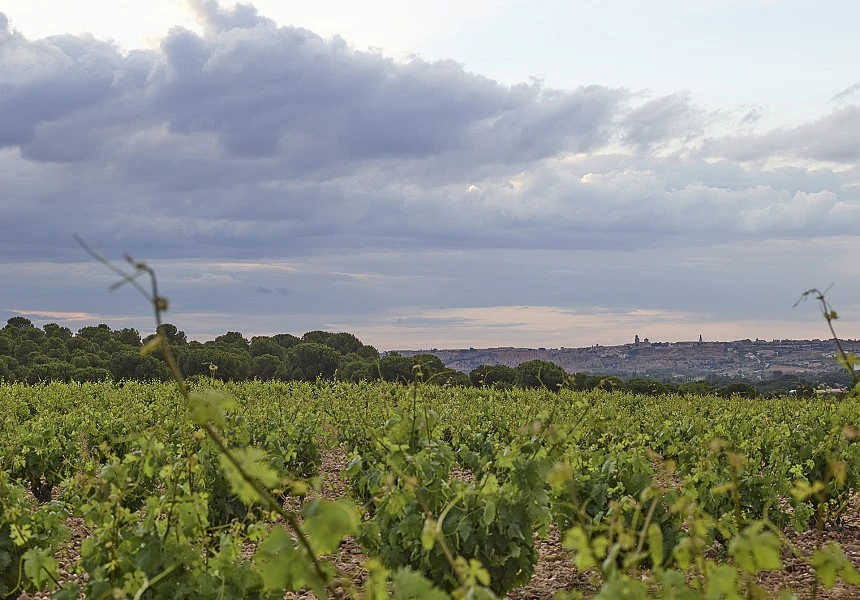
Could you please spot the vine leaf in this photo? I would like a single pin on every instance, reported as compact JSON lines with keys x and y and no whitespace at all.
{"x":40,"y":566}
{"x":209,"y":405}
{"x":254,"y":462}
{"x":829,"y":563}
{"x":754,"y":550}
{"x":326,"y":523}
{"x":279,"y":563}
{"x":407,"y":584}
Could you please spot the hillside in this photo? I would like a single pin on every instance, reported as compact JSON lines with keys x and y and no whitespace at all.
{"x":746,"y":358}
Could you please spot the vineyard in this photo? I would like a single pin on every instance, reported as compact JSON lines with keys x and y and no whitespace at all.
{"x":376,"y":490}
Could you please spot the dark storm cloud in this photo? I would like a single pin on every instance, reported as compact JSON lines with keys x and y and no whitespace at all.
{"x":255,"y":140}
{"x":280,"y":93}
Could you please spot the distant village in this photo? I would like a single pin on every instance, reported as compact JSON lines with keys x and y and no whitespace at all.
{"x":746,"y":359}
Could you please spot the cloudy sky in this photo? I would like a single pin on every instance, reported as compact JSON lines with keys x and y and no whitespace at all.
{"x":435,"y":174}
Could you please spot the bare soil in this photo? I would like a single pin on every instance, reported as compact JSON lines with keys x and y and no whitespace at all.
{"x":554,"y":571}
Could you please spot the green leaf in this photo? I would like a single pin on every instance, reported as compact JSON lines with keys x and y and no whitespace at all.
{"x":407,"y":584}
{"x":655,"y":544}
{"x":428,"y":534}
{"x":40,"y":566}
{"x":723,"y":583}
{"x":577,"y":540}
{"x":489,"y":514}
{"x":479,"y":572}
{"x":830,"y":562}
{"x":255,"y":463}
{"x":766,"y":552}
{"x":559,"y":475}
{"x":674,"y":584}
{"x":622,"y":586}
{"x":755,"y":551}
{"x":280,"y":564}
{"x":21,"y":534}
{"x":825,"y":567}
{"x":68,"y":591}
{"x":209,"y":405}
{"x":326,"y":523}
{"x":802,"y":490}
{"x":464,"y":530}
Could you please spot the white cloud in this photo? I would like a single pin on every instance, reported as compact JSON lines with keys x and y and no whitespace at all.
{"x":270,"y":157}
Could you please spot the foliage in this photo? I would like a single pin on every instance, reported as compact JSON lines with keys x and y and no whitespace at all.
{"x":437,"y":524}
{"x":542,"y":374}
{"x":28,"y":540}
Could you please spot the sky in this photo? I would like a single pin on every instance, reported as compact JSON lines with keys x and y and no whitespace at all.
{"x":435,"y":175}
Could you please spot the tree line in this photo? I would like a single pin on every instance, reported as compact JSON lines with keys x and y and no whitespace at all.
{"x":54,"y":353}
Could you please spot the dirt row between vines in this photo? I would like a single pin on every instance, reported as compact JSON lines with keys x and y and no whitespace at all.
{"x":554,"y":571}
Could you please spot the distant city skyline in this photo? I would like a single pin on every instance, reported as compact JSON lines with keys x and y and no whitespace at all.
{"x":489,"y":173}
{"x":755,"y":359}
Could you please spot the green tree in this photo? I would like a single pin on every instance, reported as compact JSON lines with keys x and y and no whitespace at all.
{"x":58,"y":353}
{"x":81,"y":344}
{"x":312,"y":360}
{"x":18,"y":323}
{"x":265,"y":366}
{"x":451,"y":378}
{"x":542,"y":374}
{"x":645,"y":387}
{"x":607,"y":383}
{"x":99,"y":335}
{"x":52,"y":330}
{"x":131,"y":365}
{"x":744,"y":390}
{"x":232,"y":365}
{"x":286,"y":340}
{"x":355,"y":368}
{"x":232,"y":339}
{"x":368,"y":352}
{"x":174,"y":336}
{"x":394,"y":367}
{"x":90,"y":374}
{"x":25,"y":348}
{"x":128,"y":337}
{"x":499,"y":376}
{"x":8,"y":369}
{"x":428,"y":365}
{"x":261,"y":345}
{"x":54,"y":370}
{"x":7,"y":373}
{"x":344,"y":343}
{"x":696,"y":388}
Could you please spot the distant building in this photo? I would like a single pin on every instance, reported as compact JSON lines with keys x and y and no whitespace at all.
{"x":636,"y":340}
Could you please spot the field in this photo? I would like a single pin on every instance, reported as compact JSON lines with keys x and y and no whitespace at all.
{"x":377,"y":490}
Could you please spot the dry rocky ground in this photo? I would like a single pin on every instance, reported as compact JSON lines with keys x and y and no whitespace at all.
{"x":554,"y":571}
